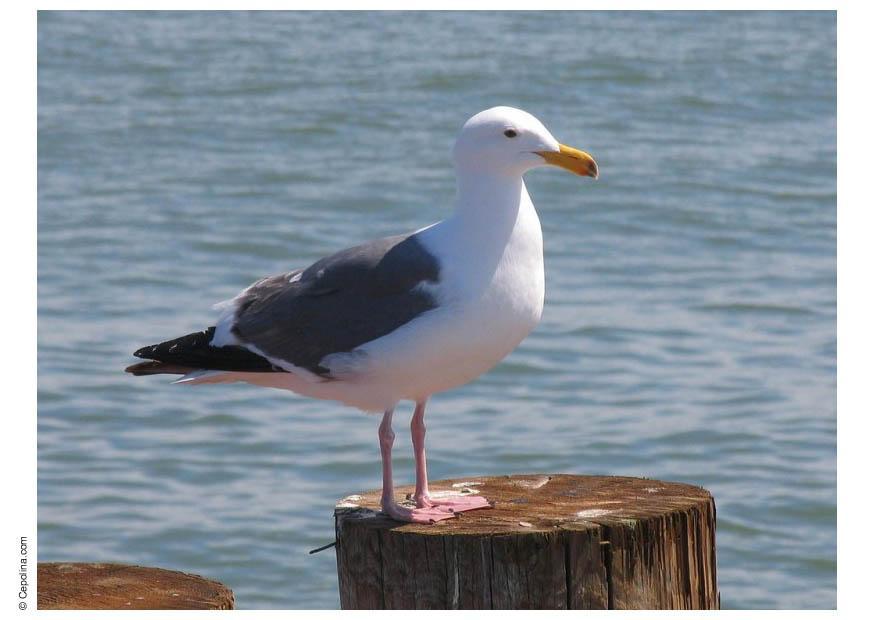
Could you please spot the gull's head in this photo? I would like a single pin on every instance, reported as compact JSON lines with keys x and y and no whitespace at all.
{"x":509,"y":141}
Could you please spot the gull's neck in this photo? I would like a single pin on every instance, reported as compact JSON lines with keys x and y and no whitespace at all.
{"x":494,"y":216}
{"x":494,"y":224}
{"x":488,"y":204}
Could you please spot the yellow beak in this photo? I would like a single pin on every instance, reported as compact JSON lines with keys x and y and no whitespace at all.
{"x":573,"y":160}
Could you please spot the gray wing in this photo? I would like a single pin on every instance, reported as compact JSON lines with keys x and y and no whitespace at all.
{"x":338,"y":303}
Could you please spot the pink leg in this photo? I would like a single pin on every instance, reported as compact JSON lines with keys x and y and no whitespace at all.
{"x":417,"y":433}
{"x":429,"y":514}
{"x":421,"y":496}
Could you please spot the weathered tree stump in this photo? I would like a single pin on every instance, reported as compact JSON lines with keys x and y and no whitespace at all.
{"x":550,"y":542}
{"x":118,"y":586}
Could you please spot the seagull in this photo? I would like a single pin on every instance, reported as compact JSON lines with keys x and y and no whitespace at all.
{"x":403,"y":317}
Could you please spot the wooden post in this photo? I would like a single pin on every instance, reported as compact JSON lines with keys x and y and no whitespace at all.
{"x":550,"y":542}
{"x":118,"y":586}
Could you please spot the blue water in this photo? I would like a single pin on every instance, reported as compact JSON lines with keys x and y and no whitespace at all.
{"x":690,"y":326}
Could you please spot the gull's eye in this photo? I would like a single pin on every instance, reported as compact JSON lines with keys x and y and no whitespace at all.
{"x":510,"y":133}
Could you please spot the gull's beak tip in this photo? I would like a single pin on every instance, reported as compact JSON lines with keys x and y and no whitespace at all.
{"x":594,"y":171}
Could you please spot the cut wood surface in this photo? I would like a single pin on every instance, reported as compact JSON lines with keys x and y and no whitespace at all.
{"x":550,"y":542}
{"x":119,"y":586}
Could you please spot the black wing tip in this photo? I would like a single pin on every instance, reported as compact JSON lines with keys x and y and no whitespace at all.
{"x":194,"y":351}
{"x":144,"y":352}
{"x":159,"y":351}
